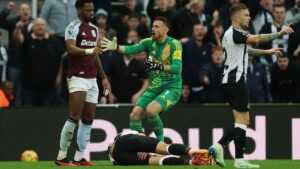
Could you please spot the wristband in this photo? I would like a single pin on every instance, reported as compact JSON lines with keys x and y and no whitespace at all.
{"x":89,"y":51}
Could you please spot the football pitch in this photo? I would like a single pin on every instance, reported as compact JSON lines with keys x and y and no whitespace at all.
{"x":266,"y":164}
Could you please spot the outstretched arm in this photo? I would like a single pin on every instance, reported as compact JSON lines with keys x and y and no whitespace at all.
{"x":262,"y":38}
{"x":112,"y":45}
{"x":257,"y":52}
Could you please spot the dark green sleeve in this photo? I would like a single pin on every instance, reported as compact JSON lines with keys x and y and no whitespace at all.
{"x":138,"y":48}
{"x":176,"y":65}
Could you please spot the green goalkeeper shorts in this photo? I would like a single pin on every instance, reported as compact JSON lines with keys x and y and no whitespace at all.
{"x":166,"y":98}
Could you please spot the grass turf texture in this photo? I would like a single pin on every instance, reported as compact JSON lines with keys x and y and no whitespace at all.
{"x":266,"y":164}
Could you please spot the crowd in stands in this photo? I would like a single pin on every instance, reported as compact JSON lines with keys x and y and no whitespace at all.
{"x":33,"y":66}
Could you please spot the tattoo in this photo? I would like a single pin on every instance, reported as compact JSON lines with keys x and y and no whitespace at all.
{"x":256,"y":52}
{"x":262,"y":38}
{"x":100,"y":68}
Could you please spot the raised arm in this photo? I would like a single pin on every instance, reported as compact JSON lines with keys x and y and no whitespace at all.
{"x":128,"y":50}
{"x":17,"y":34}
{"x":262,"y":38}
{"x":4,"y":22}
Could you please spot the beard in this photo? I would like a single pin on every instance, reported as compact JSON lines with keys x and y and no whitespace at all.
{"x":245,"y":27}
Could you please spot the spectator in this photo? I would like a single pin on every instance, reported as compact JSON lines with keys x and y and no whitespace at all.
{"x":14,"y":59}
{"x":293,"y":14}
{"x":58,"y":14}
{"x":224,"y":13}
{"x":196,"y":54}
{"x":285,"y":82}
{"x":264,"y":16}
{"x":133,"y":38}
{"x":131,"y":6}
{"x":294,"y":43}
{"x":132,"y":24}
{"x":210,"y":77}
{"x":103,"y":4}
{"x":296,"y":55}
{"x":101,"y":22}
{"x":274,"y":27}
{"x":41,"y":61}
{"x":215,"y":34}
{"x":3,"y":62}
{"x":258,"y":86}
{"x":185,"y":95}
{"x":191,"y":14}
{"x":157,"y":8}
{"x":129,"y":72}
{"x":6,"y":95}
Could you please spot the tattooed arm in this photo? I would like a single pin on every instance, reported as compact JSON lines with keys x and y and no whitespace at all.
{"x":257,"y":52}
{"x":262,"y":38}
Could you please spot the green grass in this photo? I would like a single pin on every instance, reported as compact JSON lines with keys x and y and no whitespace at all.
{"x":266,"y":164}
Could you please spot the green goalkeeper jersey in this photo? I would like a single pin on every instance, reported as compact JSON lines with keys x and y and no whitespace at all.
{"x":168,"y":53}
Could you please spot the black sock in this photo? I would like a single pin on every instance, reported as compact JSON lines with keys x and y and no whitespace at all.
{"x":227,"y":137}
{"x":176,"y":161}
{"x":178,"y":149}
{"x":239,"y":142}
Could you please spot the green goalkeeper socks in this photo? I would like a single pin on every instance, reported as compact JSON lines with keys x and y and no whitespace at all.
{"x":136,"y":125}
{"x":157,"y":126}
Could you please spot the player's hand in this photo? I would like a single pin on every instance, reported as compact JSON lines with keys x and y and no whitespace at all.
{"x":11,"y":5}
{"x":19,"y":24}
{"x":97,"y":51}
{"x":109,"y":45}
{"x":275,"y":51}
{"x":286,"y":30}
{"x":106,"y":87}
{"x":151,"y":65}
{"x":142,"y":155}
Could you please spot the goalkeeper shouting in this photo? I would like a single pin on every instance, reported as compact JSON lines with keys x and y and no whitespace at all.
{"x":164,"y":64}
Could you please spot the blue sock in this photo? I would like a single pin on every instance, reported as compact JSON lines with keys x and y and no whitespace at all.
{"x":67,"y":134}
{"x":83,"y":134}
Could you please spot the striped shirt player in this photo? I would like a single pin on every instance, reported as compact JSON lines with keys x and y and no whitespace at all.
{"x":234,"y":86}
{"x":235,"y":68}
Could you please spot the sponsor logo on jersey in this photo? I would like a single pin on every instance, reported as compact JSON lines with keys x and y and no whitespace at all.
{"x":94,"y":33}
{"x":88,"y":43}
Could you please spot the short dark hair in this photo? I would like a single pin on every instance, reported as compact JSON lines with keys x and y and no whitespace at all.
{"x":134,"y":15}
{"x":237,"y":7}
{"x":80,"y":3}
{"x":278,"y":6}
{"x":164,"y":20}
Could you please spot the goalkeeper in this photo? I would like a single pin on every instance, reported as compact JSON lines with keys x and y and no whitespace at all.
{"x":164,"y":63}
{"x":132,"y":148}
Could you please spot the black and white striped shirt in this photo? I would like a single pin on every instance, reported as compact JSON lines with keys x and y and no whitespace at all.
{"x":236,"y":55}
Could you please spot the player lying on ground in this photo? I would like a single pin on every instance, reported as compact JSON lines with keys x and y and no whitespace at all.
{"x":132,"y":148}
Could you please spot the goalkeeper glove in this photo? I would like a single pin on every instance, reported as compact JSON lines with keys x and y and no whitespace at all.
{"x":109,"y":45}
{"x":151,"y":65}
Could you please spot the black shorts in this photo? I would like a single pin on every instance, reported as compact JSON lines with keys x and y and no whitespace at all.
{"x":126,"y":148}
{"x":237,"y":95}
